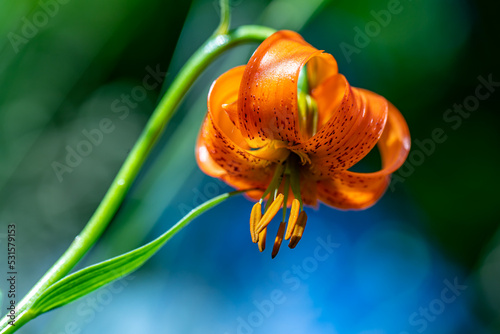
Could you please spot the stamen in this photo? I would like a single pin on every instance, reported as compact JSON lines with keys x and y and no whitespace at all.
{"x":276,"y":180}
{"x":270,"y":213}
{"x":290,"y":171}
{"x":285,"y":191}
{"x":292,"y":220}
{"x":255,"y":217}
{"x":278,"y":240}
{"x":262,"y":240}
{"x":304,"y":158}
{"x":298,"y":230}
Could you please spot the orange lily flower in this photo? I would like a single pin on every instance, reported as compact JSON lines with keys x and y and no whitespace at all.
{"x":290,"y":126}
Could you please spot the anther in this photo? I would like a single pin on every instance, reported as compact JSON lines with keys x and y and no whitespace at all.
{"x":270,"y":213}
{"x":292,"y":220}
{"x":255,"y":217}
{"x":298,"y":230}
{"x":278,"y":240}
{"x":262,"y":240}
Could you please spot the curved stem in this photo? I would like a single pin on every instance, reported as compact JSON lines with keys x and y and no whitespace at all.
{"x":225,"y":18}
{"x":211,"y":49}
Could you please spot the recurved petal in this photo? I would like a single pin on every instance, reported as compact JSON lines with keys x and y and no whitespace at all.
{"x":356,"y":122}
{"x":308,"y":189}
{"x":222,"y":104}
{"x":267,"y":103}
{"x":208,"y":165}
{"x":221,"y":150}
{"x":205,"y":160}
{"x":218,"y":156}
{"x":350,"y":190}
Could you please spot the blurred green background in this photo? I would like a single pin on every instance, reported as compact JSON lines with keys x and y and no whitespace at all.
{"x":67,"y":65}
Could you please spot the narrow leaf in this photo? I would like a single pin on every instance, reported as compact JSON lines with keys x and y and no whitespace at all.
{"x":92,"y":278}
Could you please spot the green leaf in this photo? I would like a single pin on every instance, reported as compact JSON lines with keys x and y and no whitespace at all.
{"x":92,"y":278}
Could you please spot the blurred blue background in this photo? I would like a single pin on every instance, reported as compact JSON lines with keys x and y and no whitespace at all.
{"x":425,"y":259}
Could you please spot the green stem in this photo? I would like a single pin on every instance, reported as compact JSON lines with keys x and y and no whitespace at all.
{"x":210,"y":50}
{"x":225,"y":18}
